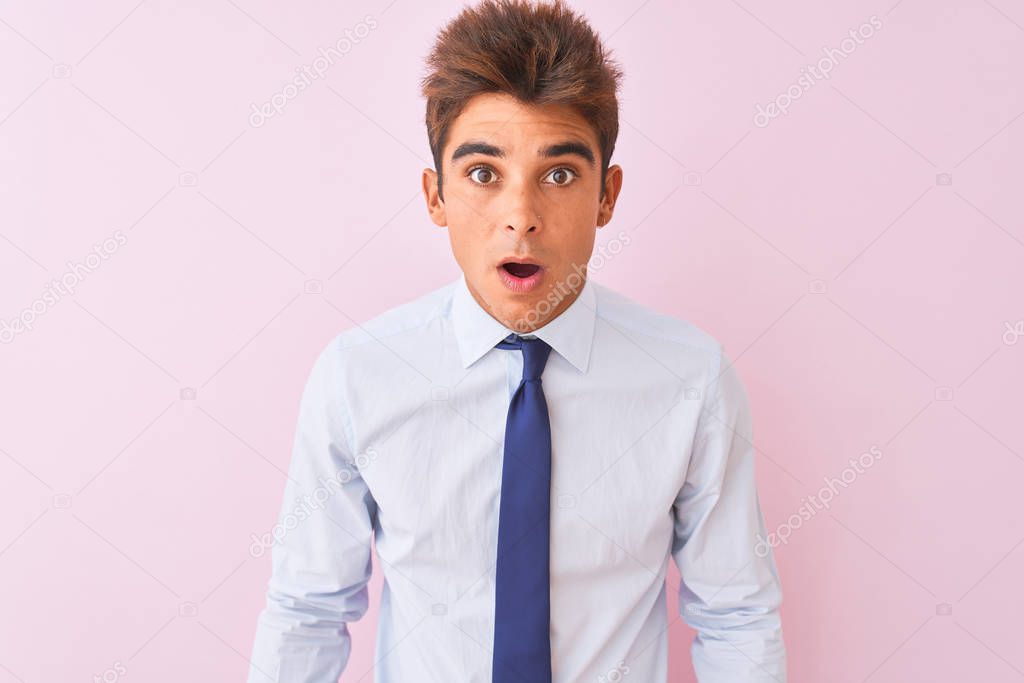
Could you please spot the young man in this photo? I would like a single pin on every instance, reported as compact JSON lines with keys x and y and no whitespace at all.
{"x":526,"y":447}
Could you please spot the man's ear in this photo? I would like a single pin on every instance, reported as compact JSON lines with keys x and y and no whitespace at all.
{"x":612,"y":185}
{"x":435,"y":205}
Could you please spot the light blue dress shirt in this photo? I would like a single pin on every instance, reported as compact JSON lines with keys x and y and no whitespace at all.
{"x":399,"y":445}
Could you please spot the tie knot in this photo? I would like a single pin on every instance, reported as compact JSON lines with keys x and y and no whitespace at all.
{"x":535,"y":354}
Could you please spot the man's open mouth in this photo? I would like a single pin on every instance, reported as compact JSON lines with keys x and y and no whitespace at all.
{"x":521,"y":277}
{"x":520,"y":270}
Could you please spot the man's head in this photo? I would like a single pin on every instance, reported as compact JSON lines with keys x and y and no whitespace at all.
{"x":522,"y":117}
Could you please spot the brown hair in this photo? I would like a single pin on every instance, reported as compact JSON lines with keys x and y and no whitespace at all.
{"x":540,"y":53}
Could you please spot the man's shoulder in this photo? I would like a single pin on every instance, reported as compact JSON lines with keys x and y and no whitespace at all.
{"x":369,"y":346}
{"x":627,"y":313}
{"x":407,"y":317}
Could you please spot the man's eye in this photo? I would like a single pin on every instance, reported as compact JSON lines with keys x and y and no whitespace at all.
{"x":562,"y":176}
{"x":481,"y":175}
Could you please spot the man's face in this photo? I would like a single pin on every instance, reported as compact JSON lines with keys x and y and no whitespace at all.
{"x":522,"y":202}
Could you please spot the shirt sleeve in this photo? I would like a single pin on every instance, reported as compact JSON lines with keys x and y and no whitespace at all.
{"x":730,"y":591}
{"x":321,"y":545}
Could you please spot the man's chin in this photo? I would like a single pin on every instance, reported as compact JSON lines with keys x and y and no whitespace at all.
{"x":519,"y":315}
{"x":521,"y":311}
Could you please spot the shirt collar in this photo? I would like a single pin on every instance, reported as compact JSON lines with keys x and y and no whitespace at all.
{"x":570,"y":334}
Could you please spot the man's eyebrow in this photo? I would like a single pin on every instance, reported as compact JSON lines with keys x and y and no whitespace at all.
{"x":467,"y":148}
{"x":556,"y":150}
{"x":569,"y":147}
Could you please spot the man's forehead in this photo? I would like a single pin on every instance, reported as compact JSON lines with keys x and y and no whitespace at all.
{"x":513,"y":124}
{"x":521,"y":127}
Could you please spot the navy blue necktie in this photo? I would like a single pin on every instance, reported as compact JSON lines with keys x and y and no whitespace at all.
{"x":522,"y":606}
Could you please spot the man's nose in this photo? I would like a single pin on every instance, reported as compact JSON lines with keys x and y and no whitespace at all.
{"x":522,"y":215}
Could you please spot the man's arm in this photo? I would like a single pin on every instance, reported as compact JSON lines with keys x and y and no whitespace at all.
{"x":730,"y":591}
{"x":321,"y":554}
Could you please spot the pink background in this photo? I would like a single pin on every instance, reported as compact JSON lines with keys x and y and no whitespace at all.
{"x":869,"y":300}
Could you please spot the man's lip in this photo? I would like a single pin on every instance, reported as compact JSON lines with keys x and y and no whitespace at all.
{"x":513,"y":259}
{"x":521,"y":285}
